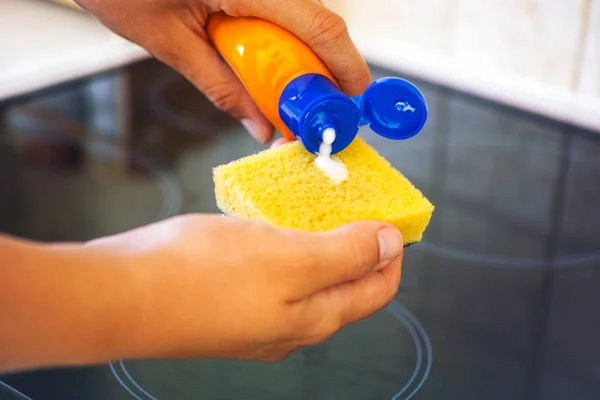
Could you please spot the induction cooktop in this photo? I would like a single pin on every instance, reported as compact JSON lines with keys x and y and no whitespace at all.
{"x":499,"y":301}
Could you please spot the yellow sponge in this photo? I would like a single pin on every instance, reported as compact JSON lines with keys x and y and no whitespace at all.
{"x":285,"y":188}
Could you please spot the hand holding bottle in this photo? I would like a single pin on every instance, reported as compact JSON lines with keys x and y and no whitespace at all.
{"x":174,"y":31}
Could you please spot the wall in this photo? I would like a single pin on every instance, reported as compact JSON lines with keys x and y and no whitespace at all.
{"x":541,"y":55}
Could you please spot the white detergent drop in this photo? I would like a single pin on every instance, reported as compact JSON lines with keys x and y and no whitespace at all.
{"x":332,"y":167}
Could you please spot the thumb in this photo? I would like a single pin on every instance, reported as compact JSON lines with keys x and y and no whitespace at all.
{"x":344,"y":254}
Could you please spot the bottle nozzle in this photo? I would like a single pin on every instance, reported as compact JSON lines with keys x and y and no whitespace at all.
{"x":328,"y":136}
{"x":311,"y":104}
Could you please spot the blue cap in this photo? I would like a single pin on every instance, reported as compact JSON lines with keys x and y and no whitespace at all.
{"x":393,"y":108}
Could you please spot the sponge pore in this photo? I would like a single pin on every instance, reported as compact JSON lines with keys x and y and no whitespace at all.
{"x":285,"y":188}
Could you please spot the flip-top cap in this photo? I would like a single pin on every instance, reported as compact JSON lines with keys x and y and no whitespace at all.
{"x":310,"y":103}
{"x":393,"y":107}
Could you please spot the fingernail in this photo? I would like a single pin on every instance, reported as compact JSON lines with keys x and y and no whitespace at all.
{"x":254,"y":129}
{"x":390,"y":244}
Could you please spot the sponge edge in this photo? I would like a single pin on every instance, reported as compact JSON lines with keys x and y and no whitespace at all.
{"x":285,"y":188}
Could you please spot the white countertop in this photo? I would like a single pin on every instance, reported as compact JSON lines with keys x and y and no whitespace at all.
{"x":572,"y":107}
{"x":44,"y":44}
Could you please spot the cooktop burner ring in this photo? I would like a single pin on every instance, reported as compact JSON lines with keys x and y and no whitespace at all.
{"x":417,"y":331}
{"x":421,"y":340}
{"x":12,"y":391}
{"x":130,"y":378}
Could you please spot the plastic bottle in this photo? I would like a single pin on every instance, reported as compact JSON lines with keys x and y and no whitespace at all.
{"x":298,"y":94}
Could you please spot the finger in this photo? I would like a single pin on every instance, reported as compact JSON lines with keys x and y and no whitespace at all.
{"x":280,"y":142}
{"x":320,"y":28}
{"x":331,"y":309}
{"x":326,"y":259}
{"x":200,"y":63}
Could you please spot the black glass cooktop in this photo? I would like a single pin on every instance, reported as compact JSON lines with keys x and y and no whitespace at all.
{"x":500,"y":301}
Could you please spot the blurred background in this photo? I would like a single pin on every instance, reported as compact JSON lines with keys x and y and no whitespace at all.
{"x":500,"y":300}
{"x":540,"y":55}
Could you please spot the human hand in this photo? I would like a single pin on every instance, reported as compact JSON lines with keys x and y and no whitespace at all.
{"x":174,"y":32}
{"x":225,"y":287}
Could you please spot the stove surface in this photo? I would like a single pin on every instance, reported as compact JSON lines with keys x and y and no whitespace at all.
{"x":498,"y":302}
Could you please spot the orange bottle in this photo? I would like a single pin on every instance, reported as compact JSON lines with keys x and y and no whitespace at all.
{"x":300,"y":97}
